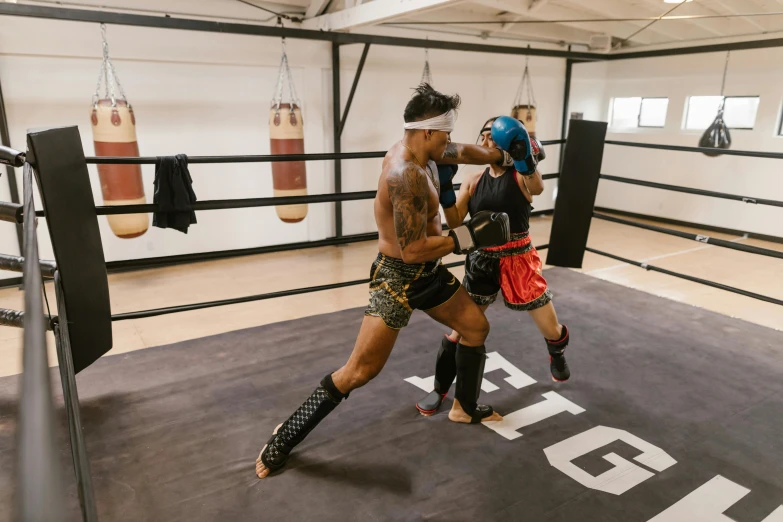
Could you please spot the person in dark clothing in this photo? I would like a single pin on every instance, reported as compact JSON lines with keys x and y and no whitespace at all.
{"x":514,"y":269}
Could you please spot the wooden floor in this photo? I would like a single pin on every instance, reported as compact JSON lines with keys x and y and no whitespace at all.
{"x":250,"y":275}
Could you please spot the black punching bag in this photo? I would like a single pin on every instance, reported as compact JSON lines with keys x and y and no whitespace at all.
{"x":716,"y":136}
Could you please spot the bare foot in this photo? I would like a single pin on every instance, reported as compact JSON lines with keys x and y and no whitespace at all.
{"x":261,"y":470}
{"x":457,"y":414}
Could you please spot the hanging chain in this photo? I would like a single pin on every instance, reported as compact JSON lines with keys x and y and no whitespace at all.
{"x":97,"y":95}
{"x":531,"y":97}
{"x":291,"y":85}
{"x":426,"y":74}
{"x":284,"y":74}
{"x":723,"y":83}
{"x":526,"y":81}
{"x":108,"y":76}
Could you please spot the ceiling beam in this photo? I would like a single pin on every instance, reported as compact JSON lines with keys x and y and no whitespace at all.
{"x":508,"y":25}
{"x":715,"y":27}
{"x":315,"y":8}
{"x":210,"y":26}
{"x":559,"y":34}
{"x":372,"y":13}
{"x":745,"y":19}
{"x":554,"y":12}
{"x":612,"y":8}
{"x":535,"y":5}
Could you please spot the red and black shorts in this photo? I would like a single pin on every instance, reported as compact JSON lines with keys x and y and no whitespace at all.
{"x":514,"y":269}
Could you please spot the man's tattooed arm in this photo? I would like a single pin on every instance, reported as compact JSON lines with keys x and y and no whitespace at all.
{"x":470,"y":154}
{"x":409,"y":192}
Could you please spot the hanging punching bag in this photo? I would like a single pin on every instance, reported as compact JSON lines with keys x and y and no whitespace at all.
{"x":289,"y":178}
{"x":114,"y":134}
{"x":286,"y":135}
{"x":527,"y":115}
{"x":525,"y":111}
{"x":716,"y":136}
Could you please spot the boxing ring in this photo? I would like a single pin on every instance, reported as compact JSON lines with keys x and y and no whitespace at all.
{"x":675,"y":411}
{"x":607,"y":412}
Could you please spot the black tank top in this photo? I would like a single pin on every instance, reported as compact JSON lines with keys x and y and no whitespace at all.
{"x":502,"y":194}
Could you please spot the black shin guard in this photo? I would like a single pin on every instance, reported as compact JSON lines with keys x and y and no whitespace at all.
{"x":470,"y":373}
{"x":557,"y":362}
{"x":318,"y":405}
{"x":445,"y":372}
{"x":445,"y":366}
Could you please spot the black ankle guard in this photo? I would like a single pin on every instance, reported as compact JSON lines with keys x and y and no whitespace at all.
{"x":445,"y":366}
{"x":318,"y":405}
{"x":329,"y":386}
{"x":470,"y":372}
{"x":558,"y":347}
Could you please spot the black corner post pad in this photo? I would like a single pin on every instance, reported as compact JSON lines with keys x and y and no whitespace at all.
{"x":577,"y":188}
{"x":64,"y":185}
{"x":11,"y":157}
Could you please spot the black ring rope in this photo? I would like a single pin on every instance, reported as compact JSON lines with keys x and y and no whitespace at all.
{"x":688,"y":190}
{"x":223,"y":204}
{"x":695,"y":237}
{"x":689,"y":278}
{"x":151,"y":160}
{"x":283,"y":293}
{"x":154,"y":262}
{"x":704,"y":150}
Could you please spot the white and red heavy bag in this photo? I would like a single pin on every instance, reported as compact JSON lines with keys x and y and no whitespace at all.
{"x":289,"y":178}
{"x":525,"y":111}
{"x":527,"y":115}
{"x":114,"y":134}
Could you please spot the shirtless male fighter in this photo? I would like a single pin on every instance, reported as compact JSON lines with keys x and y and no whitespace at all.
{"x":407,"y":273}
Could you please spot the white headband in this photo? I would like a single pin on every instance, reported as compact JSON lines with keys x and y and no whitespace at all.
{"x":443,"y":122}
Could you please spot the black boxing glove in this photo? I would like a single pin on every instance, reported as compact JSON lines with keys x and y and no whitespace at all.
{"x":446,"y":173}
{"x":485,"y":229}
{"x":537,"y":150}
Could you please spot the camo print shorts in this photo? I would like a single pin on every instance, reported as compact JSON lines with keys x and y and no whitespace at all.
{"x":398,"y":288}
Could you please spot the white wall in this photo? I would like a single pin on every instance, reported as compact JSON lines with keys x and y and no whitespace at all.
{"x":750,"y":73}
{"x":191,"y":95}
{"x":487,"y":85}
{"x":208,"y":94}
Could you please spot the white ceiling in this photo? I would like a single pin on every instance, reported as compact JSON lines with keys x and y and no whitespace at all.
{"x":554,"y":21}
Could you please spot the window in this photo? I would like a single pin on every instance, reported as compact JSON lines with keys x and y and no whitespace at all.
{"x":638,"y":112}
{"x":653,"y":112}
{"x":739,"y":112}
{"x":625,"y":112}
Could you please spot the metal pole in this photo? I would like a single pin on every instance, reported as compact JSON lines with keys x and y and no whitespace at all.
{"x":39,"y":481}
{"x":81,"y":463}
{"x":566,"y":97}
{"x":13,"y":188}
{"x":353,"y":87}
{"x":185,"y":24}
{"x":336,"y":114}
